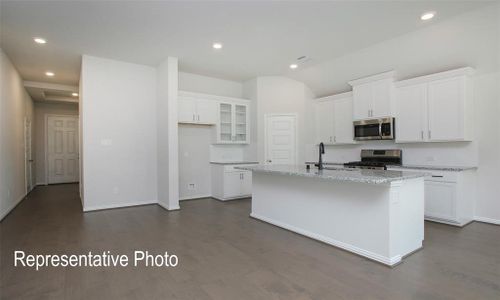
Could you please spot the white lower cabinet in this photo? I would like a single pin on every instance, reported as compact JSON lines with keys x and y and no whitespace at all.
{"x":449,"y":196}
{"x":440,"y":200}
{"x":229,"y":183}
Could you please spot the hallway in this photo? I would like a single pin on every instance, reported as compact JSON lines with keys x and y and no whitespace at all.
{"x":224,"y":254}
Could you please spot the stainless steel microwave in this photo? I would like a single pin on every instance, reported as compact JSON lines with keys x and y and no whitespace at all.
{"x":374,"y":129}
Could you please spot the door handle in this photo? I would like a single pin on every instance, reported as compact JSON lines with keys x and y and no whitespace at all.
{"x":198,"y":118}
{"x":269,"y":160}
{"x":422,"y":135}
{"x":335,"y":139}
{"x":429,"y":134}
{"x":193,"y":117}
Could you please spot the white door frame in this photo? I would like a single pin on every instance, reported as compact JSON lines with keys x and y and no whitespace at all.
{"x":295,"y":116}
{"x":46,"y":142}
{"x":28,"y":184}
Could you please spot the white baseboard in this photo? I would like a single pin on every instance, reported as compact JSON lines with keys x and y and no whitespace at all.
{"x":120,"y":205}
{"x":4,"y":214}
{"x":195,"y":197}
{"x":169,"y":208}
{"x":390,"y":261}
{"x":41,"y":183}
{"x":487,"y":220}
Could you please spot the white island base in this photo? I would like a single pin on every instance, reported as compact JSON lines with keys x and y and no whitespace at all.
{"x":383,"y":222}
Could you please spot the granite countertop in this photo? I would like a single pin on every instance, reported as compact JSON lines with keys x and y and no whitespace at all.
{"x":416,"y":167}
{"x":233,"y":162}
{"x":337,"y":174}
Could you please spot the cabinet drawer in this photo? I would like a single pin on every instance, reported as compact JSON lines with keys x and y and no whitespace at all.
{"x":231,"y":168}
{"x":442,"y":176}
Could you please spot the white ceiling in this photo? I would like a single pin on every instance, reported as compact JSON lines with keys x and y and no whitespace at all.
{"x":259,"y":38}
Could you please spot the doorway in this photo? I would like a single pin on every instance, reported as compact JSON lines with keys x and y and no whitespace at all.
{"x":62,"y":154}
{"x":281,"y":139}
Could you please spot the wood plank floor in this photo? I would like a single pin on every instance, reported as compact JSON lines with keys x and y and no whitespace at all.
{"x":224,"y":254}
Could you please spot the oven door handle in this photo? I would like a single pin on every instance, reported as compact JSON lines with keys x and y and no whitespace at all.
{"x":380,"y":130}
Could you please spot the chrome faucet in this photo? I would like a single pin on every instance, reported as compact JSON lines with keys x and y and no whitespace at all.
{"x":320,"y":160}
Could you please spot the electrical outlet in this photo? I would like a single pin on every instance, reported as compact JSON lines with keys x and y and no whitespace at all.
{"x":191,"y":186}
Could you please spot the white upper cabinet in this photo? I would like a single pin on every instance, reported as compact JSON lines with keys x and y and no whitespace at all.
{"x":362,"y":104}
{"x":186,"y":110}
{"x":334,"y":119}
{"x":206,"y":111}
{"x":435,"y":108}
{"x":325,"y":129}
{"x":196,"y":110}
{"x":372,"y":96}
{"x":411,"y":113}
{"x":233,"y":126}
{"x":446,"y":99}
{"x":342,"y":116}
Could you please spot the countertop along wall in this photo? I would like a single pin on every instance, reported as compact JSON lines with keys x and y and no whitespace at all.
{"x":471,"y":39}
{"x":15,"y":106}
{"x":39,"y":130}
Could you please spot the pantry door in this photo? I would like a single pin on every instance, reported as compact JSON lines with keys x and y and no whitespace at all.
{"x":62,"y":149}
{"x":281,"y":139}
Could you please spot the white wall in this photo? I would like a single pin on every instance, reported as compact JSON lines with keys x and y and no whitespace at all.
{"x":277,"y":94}
{"x":39,"y":130}
{"x":209,"y":85}
{"x":15,"y":106}
{"x":469,"y":39}
{"x":195,"y":142}
{"x":118,"y":112}
{"x":472,"y":39}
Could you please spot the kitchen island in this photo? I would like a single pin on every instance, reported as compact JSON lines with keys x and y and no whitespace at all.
{"x":373,"y":213}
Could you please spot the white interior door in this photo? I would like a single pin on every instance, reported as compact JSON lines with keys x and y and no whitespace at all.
{"x":62,"y":149}
{"x":28,"y":155}
{"x":280,"y":144}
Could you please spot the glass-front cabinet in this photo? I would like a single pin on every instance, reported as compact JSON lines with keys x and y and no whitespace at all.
{"x":233,"y":125}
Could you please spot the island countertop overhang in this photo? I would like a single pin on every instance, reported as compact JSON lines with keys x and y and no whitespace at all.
{"x":340,"y":174}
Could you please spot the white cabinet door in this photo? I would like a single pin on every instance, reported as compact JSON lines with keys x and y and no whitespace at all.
{"x":241,"y":123}
{"x":246,"y":183}
{"x":411,"y":113}
{"x":186,"y":110}
{"x":206,"y":111}
{"x":232,"y":184}
{"x":440,"y":199}
{"x":446,"y":100}
{"x":381,"y":98}
{"x":342,"y":116}
{"x":225,"y":125}
{"x":362,"y":101}
{"x":325,"y":122}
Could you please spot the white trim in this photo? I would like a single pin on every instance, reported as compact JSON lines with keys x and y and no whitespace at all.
{"x":390,"y":261}
{"x":436,"y":76}
{"x":3,"y":215}
{"x":335,"y":97}
{"x":169,"y":209}
{"x":213,"y":97}
{"x":195,"y":197}
{"x":380,"y":76}
{"x":41,"y":183}
{"x":46,"y":142}
{"x":487,"y":220}
{"x":295,"y":116}
{"x":118,"y":205}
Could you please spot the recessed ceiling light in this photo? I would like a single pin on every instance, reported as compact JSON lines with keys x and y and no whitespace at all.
{"x":40,"y":40}
{"x":50,"y":74}
{"x":294,"y":66}
{"x":427,"y":16}
{"x":74,"y":94}
{"x":217,"y":45}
